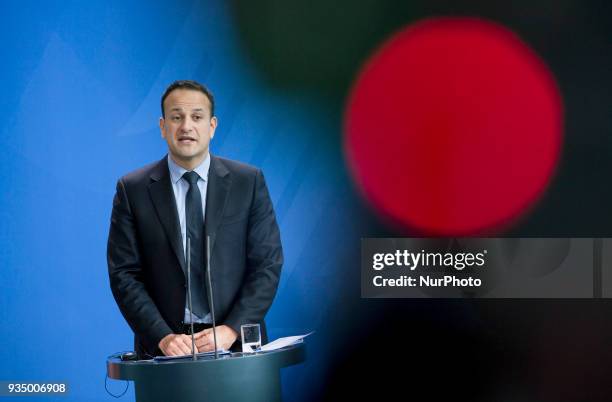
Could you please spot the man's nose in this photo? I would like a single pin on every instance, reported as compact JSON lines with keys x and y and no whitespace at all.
{"x":187,"y":125}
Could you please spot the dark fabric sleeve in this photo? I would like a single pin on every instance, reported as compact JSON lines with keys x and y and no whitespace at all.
{"x":264,"y":261}
{"x":126,"y":275}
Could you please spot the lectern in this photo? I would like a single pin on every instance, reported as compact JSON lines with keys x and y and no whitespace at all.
{"x":236,"y":377}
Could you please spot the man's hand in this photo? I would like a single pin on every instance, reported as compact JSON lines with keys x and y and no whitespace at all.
{"x":205,"y":341}
{"x":176,"y":345}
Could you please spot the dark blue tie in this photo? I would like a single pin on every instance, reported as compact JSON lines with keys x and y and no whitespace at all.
{"x":195,"y":231}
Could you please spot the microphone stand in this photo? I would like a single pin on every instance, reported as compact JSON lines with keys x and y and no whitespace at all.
{"x":210,"y":296}
{"x":189,"y":297}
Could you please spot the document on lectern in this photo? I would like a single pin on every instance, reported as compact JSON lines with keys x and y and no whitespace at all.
{"x":283,"y":342}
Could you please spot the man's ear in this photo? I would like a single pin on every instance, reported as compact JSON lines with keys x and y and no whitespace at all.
{"x":213,"y":126}
{"x":162,"y":127}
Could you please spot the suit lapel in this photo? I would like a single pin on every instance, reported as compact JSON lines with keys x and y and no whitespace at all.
{"x":162,"y":195}
{"x":219,"y":181}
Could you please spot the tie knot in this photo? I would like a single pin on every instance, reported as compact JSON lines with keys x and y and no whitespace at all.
{"x":191,"y":177}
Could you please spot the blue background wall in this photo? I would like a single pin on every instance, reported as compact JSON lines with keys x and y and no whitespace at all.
{"x":81,"y":88}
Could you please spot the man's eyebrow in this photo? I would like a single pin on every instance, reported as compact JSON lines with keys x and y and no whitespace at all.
{"x":180,"y":109}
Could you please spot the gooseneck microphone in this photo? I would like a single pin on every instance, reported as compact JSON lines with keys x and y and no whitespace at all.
{"x":210,"y":296}
{"x":189,"y":297}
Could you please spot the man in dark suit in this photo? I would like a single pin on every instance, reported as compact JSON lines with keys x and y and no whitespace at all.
{"x":191,"y":194}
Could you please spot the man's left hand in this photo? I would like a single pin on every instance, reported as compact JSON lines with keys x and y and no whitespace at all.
{"x":205,"y":341}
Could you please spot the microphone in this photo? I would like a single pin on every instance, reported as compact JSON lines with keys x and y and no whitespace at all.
{"x":209,"y":291}
{"x":189,"y":296}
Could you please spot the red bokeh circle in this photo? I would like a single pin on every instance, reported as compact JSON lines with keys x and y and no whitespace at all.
{"x":453,"y":127}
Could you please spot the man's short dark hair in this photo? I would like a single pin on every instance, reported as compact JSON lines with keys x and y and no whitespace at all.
{"x":189,"y":84}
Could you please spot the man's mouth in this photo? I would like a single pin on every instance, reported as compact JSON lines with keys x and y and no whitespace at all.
{"x":186,"y":140}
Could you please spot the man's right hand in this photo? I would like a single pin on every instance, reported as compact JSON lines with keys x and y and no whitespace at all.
{"x":176,"y":345}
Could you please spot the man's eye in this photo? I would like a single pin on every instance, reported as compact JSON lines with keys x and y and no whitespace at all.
{"x":176,"y":118}
{"x":196,"y":118}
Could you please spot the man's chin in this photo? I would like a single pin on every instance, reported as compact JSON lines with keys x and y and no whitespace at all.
{"x":188,"y":156}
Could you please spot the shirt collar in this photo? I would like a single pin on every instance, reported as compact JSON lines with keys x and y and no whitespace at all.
{"x":177,"y":172}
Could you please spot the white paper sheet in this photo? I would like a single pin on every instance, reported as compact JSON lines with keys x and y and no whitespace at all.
{"x":283,"y":342}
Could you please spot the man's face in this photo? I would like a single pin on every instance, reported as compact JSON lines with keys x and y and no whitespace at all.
{"x":188,"y":126}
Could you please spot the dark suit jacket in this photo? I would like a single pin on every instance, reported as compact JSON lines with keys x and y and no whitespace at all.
{"x":145,"y":251}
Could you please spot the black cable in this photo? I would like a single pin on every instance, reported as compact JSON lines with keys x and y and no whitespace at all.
{"x":115,"y":355}
{"x":111,"y":394}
